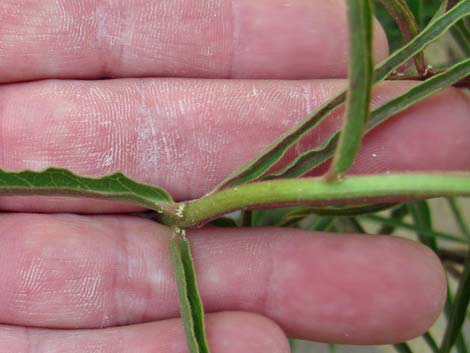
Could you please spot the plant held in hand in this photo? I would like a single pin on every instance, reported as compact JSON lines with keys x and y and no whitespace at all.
{"x":275,"y":178}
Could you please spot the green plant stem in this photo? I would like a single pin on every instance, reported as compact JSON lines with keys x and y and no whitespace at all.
{"x":315,"y":190}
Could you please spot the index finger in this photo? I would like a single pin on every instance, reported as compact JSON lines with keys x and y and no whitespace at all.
{"x":209,"y":38}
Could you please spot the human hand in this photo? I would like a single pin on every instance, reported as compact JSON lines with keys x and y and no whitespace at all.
{"x":96,"y":272}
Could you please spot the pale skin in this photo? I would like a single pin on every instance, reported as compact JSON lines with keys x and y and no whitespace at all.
{"x":108,"y":278}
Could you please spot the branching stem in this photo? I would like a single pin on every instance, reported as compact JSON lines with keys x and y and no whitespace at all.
{"x":282,"y":192}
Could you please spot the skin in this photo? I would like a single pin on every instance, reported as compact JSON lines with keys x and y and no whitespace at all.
{"x":107,"y":278}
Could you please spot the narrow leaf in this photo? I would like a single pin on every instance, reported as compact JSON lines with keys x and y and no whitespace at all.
{"x":460,"y":344}
{"x":344,"y":211}
{"x":308,"y":160}
{"x":192,"y":311}
{"x":461,"y":35}
{"x":459,"y":217}
{"x":266,"y":159}
{"x":269,"y":217}
{"x":421,"y":214}
{"x":55,"y":181}
{"x":409,"y":28}
{"x":419,"y":92}
{"x":397,"y":214}
{"x":315,"y":157}
{"x":431,"y":342}
{"x":247,"y":218}
{"x":431,"y":33}
{"x":260,"y":164}
{"x":440,"y":11}
{"x":224,"y":222}
{"x":402,"y":348}
{"x":418,"y":7}
{"x":360,"y":86}
{"x":292,"y":344}
{"x":459,"y":308}
{"x":403,"y":225}
{"x":322,"y":223}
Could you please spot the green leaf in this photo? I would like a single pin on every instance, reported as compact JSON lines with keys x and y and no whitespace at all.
{"x":421,"y":214}
{"x":344,"y":211}
{"x":315,"y":157}
{"x":397,"y":214}
{"x":461,"y":35}
{"x":458,"y":310}
{"x":270,"y":217}
{"x":431,"y":342}
{"x":417,"y":8}
{"x":55,"y":181}
{"x":394,"y":36}
{"x":403,"y":225}
{"x":308,"y":160}
{"x":292,"y":344}
{"x":458,"y":217}
{"x":322,"y":223}
{"x":402,"y":348}
{"x":431,"y":33}
{"x":409,"y":28}
{"x":261,"y":163}
{"x":192,"y":311}
{"x":460,"y":345}
{"x":360,"y":86}
{"x":224,"y":222}
{"x":442,"y":9}
{"x":247,"y":218}
{"x":419,"y":92}
{"x":266,"y":159}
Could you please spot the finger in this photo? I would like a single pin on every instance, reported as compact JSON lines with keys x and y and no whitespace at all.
{"x":227,"y":332}
{"x":210,"y":38}
{"x":187,"y":135}
{"x":82,"y":272}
